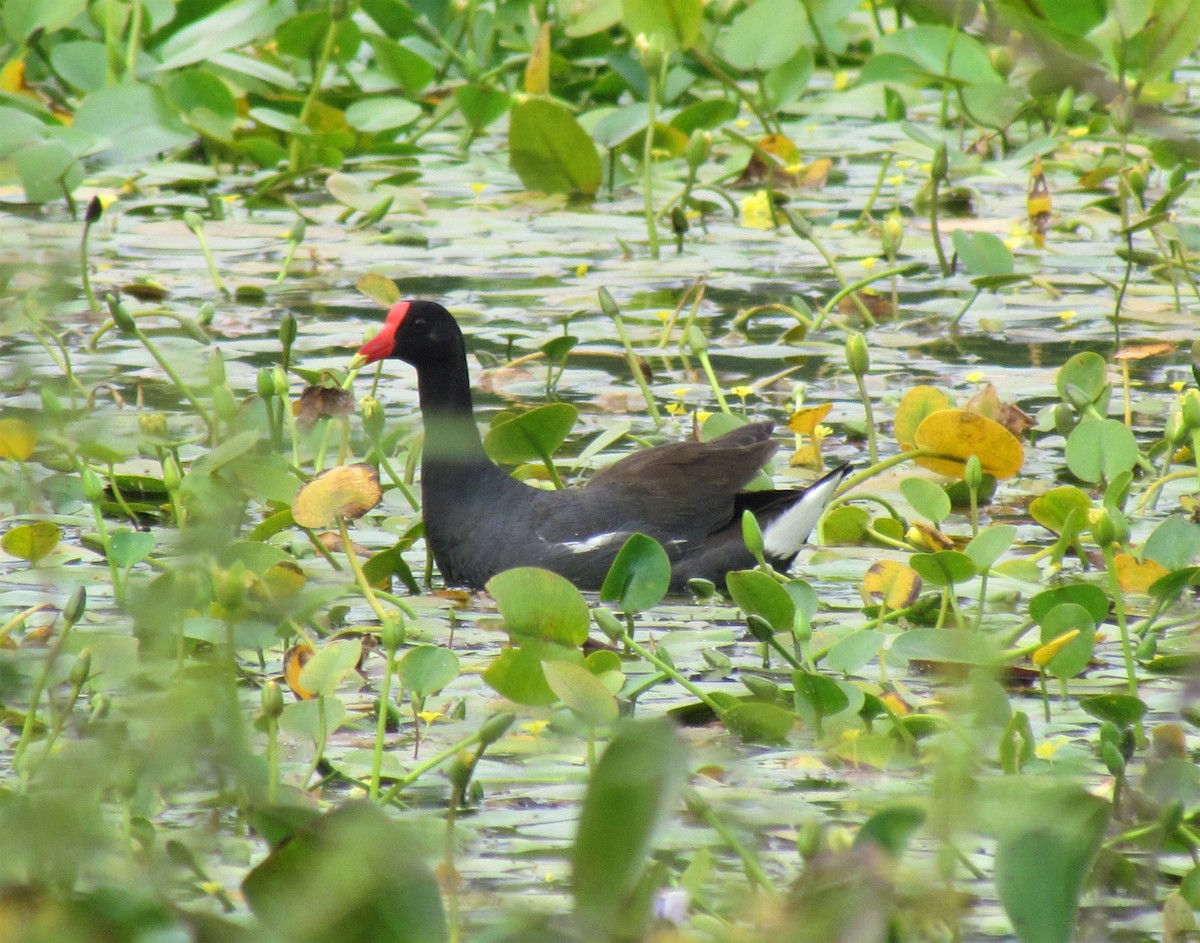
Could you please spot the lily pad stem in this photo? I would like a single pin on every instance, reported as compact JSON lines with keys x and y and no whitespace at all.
{"x":364,"y":584}
{"x":318,"y":78}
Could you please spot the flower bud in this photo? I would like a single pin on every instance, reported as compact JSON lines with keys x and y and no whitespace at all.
{"x":192,"y":220}
{"x":1002,"y":60}
{"x":940,"y":166}
{"x":93,"y":487}
{"x":1191,"y":410}
{"x":120,"y":315}
{"x":287,"y":330}
{"x":891,"y":234}
{"x":81,"y":669}
{"x":607,"y":304}
{"x":392,"y":634}
{"x":216,"y":368}
{"x":264,"y":383}
{"x":752,"y":535}
{"x":857,"y":357}
{"x":495,"y":727}
{"x":973,"y":474}
{"x":1064,"y":106}
{"x":699,"y":146}
{"x":224,"y":403}
{"x":696,"y":341}
{"x":76,"y":604}
{"x":94,"y":211}
{"x":153,"y":425}
{"x":172,"y":477}
{"x":281,"y":382}
{"x":608,"y":623}
{"x":759,"y":627}
{"x":372,"y":418}
{"x":204,"y":317}
{"x":272,"y":700}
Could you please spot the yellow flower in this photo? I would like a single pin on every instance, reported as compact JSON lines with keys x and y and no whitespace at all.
{"x":742,"y":391}
{"x":794,"y":169}
{"x":702,"y":415}
{"x":975,"y":376}
{"x":1068,"y":316}
{"x":535,"y":727}
{"x":741,"y":124}
{"x":840,"y":81}
{"x":904,"y":164}
{"x":895,"y":181}
{"x":1077,"y":132}
{"x":756,"y":211}
{"x":1179,"y":385}
{"x":429,"y":716}
{"x":1047,"y":748}
{"x":478,"y":188}
{"x":581,"y":269}
{"x":676,"y":409}
{"x":868,"y":263}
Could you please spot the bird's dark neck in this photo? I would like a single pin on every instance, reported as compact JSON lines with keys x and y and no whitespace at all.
{"x":451,"y":437}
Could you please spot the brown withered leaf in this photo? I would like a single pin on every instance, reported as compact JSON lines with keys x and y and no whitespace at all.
{"x":987,"y":403}
{"x":322,"y":402}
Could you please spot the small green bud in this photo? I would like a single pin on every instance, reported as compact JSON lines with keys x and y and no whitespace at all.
{"x":752,"y":535}
{"x":52,"y":406}
{"x":1113,"y":761}
{"x":696,"y":341}
{"x":392,"y":634}
{"x":76,"y":604}
{"x":1175,"y":429}
{"x":281,"y":382}
{"x":759,"y":627}
{"x":459,"y":771}
{"x":801,"y":627}
{"x":373,"y":418}
{"x":607,"y":304}
{"x":650,"y":51}
{"x":287,"y":330}
{"x":495,"y":727}
{"x":1002,"y":60}
{"x":699,"y":146}
{"x":858,"y":359}
{"x":264,"y":383}
{"x":1111,"y":528}
{"x":1064,"y":107}
{"x":1172,"y":817}
{"x":204,"y":317}
{"x":272,"y":700}
{"x":153,"y":425}
{"x":761,"y":688}
{"x":891,"y":234}
{"x":702,"y":588}
{"x":1064,"y":419}
{"x":172,"y":477}
{"x":811,"y":840}
{"x":940,"y":166}
{"x":93,"y":487}
{"x":120,"y":315}
{"x":229,"y":586}
{"x":608,"y":623}
{"x":1191,"y":410}
{"x":1122,"y":113}
{"x":216,"y":368}
{"x":1147,"y":648}
{"x":1077,"y":397}
{"x":81,"y":669}
{"x":1135,"y":176}
{"x":192,"y":220}
{"x":339,"y":10}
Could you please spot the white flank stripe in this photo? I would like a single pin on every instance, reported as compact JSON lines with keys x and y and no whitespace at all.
{"x":595,"y":542}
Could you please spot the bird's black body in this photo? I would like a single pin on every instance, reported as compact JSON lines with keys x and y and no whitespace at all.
{"x":688,"y":496}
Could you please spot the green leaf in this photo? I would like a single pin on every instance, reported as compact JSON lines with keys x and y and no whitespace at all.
{"x":944,"y":568}
{"x":989,"y":545}
{"x":758,"y":722}
{"x":1086,"y":371}
{"x":549,"y":151}
{"x":952,"y":645}
{"x":634,"y":788}
{"x":639,"y":576}
{"x":586,"y":17}
{"x":927,"y":499}
{"x":756,"y":593}
{"x":540,"y":604}
{"x":427,"y":669}
{"x":818,"y":695}
{"x":1077,"y":653}
{"x":130,"y":547}
{"x":48,"y":171}
{"x":765,"y":35}
{"x":1092,"y":598}
{"x":891,"y":828}
{"x":33,"y":541}
{"x":582,"y":692}
{"x":135,"y":121}
{"x":330,"y":666}
{"x":518,"y":673}
{"x":675,"y":23}
{"x":1100,"y":450}
{"x":365,"y":871}
{"x":481,"y":105}
{"x":983,"y":253}
{"x":381,"y":114}
{"x":23,"y":17}
{"x":235,"y":24}
{"x":1124,"y":710}
{"x":536,"y":434}
{"x":1042,"y":864}
{"x":1175,"y":543}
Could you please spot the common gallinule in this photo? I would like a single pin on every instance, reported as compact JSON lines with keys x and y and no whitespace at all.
{"x":686,"y":495}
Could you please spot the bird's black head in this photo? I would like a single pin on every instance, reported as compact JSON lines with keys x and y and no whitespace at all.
{"x":417,"y":332}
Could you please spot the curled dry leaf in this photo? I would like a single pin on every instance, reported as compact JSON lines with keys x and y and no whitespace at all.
{"x":987,"y":403}
{"x":322,"y":402}
{"x":294,"y":660}
{"x":347,"y":491}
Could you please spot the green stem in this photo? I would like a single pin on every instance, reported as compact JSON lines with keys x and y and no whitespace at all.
{"x":671,"y":673}
{"x":1118,"y":598}
{"x":635,"y":369}
{"x":943,"y":262}
{"x":648,"y":163}
{"x":872,"y":445}
{"x":750,"y":864}
{"x":385,"y":694}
